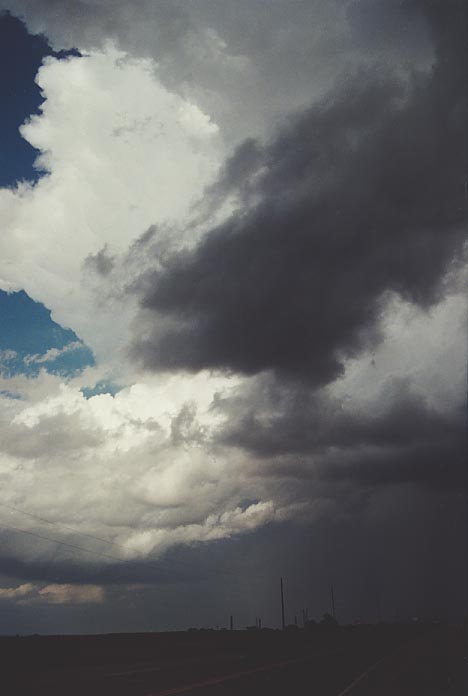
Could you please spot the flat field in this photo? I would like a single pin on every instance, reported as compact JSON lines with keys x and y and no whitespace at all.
{"x":355,"y":661}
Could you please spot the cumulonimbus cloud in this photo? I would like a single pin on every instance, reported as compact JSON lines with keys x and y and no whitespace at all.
{"x":357,"y":199}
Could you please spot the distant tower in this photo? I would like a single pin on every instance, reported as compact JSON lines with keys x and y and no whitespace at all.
{"x":333,"y":601}
{"x":231,"y":623}
{"x":379,"y":608}
{"x":282,"y":606}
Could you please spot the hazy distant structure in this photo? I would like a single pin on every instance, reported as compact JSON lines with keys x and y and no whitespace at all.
{"x":283,"y":624}
{"x":333,"y":601}
{"x":231,"y":623}
{"x":328,"y":621}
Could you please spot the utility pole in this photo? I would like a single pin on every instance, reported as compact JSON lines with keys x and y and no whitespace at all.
{"x":333,"y":601}
{"x":282,"y":606}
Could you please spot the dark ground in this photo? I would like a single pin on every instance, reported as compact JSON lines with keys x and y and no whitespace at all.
{"x":426,"y":660}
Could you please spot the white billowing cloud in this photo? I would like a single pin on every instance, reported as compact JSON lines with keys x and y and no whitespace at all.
{"x":121,"y":153}
{"x":53,"y":594}
{"x":141,"y":470}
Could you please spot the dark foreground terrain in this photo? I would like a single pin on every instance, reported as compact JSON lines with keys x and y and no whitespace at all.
{"x":359,"y":661}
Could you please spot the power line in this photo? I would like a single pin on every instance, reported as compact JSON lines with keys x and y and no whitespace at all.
{"x":84,"y":534}
{"x":178,"y":565}
{"x":64,"y":526}
{"x":79,"y":548}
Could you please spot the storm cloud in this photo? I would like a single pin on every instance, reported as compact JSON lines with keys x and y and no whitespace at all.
{"x":284,"y":347}
{"x":357,"y":199}
{"x":300,"y":421}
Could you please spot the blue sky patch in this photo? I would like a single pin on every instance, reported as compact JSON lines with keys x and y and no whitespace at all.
{"x":101,"y":387}
{"x":30,"y":340}
{"x":21,"y":56}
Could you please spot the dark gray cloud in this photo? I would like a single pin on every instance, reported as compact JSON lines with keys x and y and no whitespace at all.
{"x":311,"y":436}
{"x":303,"y":421}
{"x":357,"y":197}
{"x":357,"y":200}
{"x":101,"y":263}
{"x":437,"y":463}
{"x":59,"y":570}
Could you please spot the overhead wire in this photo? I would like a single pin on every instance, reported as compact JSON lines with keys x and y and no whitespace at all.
{"x":72,"y":546}
{"x":61,"y":524}
{"x":76,"y":546}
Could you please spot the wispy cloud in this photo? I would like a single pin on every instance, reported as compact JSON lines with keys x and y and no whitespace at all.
{"x":52,"y":354}
{"x":7,"y":355}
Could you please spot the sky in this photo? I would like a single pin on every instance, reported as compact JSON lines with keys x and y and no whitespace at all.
{"x":232,"y":312}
